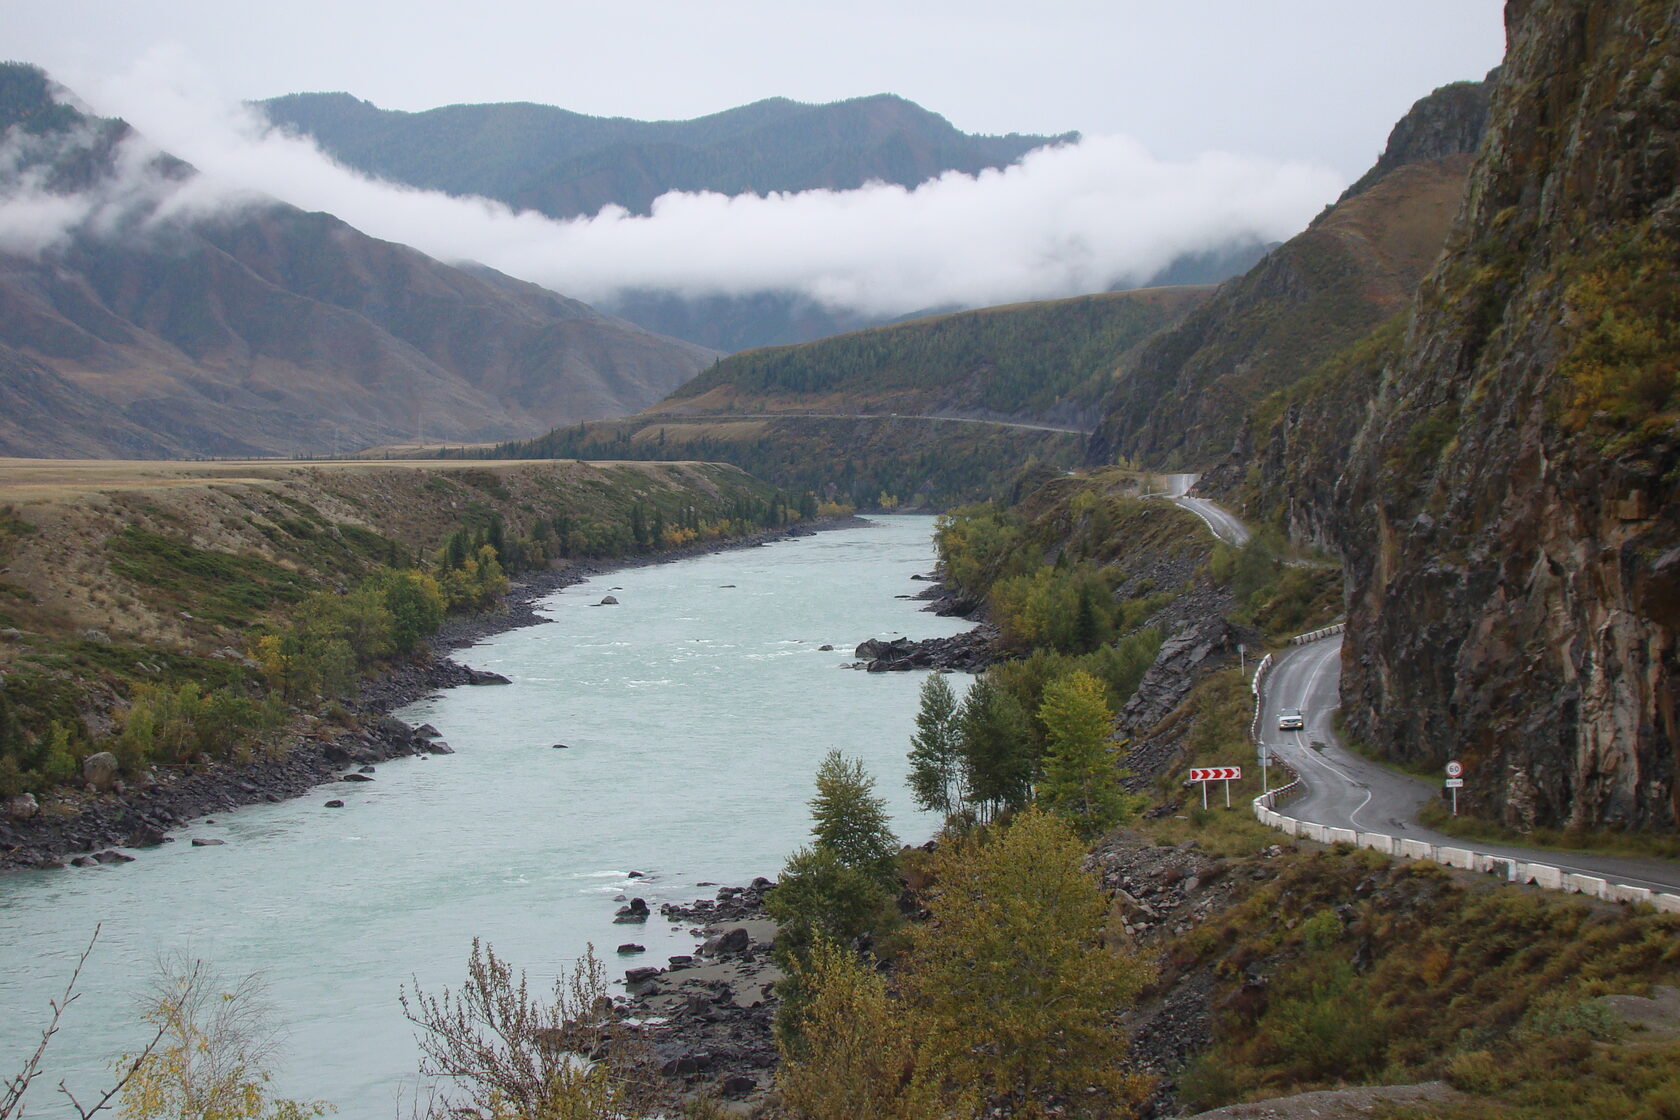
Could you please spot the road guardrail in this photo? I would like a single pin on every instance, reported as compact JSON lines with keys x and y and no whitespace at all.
{"x":1507,"y":868}
{"x":1315,"y":635}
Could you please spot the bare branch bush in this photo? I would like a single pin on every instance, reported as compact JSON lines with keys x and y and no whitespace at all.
{"x":218,"y":1039}
{"x":15,"y":1088}
{"x":511,"y":1054}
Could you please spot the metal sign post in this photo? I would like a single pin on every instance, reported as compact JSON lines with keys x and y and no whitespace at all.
{"x":1455,"y":782}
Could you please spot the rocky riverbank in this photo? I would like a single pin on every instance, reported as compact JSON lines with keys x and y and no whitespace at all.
{"x":84,"y":826}
{"x":968,"y":652}
{"x":708,"y":1015}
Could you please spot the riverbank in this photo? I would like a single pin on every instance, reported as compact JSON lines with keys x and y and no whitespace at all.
{"x":707,"y":1017}
{"x":84,"y":828}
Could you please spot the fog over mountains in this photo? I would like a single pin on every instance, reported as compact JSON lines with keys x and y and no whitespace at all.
{"x":227,"y":286}
{"x":146,"y":309}
{"x":780,"y":222}
{"x":1066,"y":219}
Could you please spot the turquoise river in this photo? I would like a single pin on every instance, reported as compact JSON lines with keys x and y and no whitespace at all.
{"x":695,"y":713}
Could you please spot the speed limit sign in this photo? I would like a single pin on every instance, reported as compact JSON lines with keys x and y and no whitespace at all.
{"x":1455,"y":769}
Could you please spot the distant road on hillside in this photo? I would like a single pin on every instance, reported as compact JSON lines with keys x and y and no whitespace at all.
{"x":1225,"y":524}
{"x":1344,"y":790}
{"x":718,"y":417}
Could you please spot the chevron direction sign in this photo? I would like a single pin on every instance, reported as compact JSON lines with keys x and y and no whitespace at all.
{"x":1226,"y":774}
{"x":1216,"y":774}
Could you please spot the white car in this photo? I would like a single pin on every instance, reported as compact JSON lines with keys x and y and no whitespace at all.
{"x":1290,"y":719}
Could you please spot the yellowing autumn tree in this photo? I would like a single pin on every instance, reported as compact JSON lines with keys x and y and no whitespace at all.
{"x":1015,"y":992}
{"x":211,"y":1061}
{"x":854,"y":1056}
{"x":1081,"y":779}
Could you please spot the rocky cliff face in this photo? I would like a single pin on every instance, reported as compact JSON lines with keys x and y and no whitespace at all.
{"x":1448,"y":122}
{"x":1198,"y":391}
{"x":1509,"y":515}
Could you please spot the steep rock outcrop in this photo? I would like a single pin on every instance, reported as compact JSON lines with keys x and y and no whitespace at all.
{"x":1509,"y":515}
{"x":1448,"y":122}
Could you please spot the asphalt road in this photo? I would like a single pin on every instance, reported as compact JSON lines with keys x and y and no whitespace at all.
{"x":1224,"y":525}
{"x":1345,"y":790}
{"x":724,"y":417}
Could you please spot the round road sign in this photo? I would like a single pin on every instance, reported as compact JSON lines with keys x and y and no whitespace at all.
{"x":1455,"y":769}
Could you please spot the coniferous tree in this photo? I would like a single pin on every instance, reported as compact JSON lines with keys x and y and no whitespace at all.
{"x":850,"y":819}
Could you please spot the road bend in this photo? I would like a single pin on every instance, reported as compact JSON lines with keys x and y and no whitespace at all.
{"x":1345,"y":790}
{"x":1224,"y":524}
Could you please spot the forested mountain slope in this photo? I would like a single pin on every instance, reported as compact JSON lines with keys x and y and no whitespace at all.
{"x":252,"y":327}
{"x":885,"y":413}
{"x":1048,"y":362}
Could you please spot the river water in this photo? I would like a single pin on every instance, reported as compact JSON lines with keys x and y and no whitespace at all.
{"x":695,"y":713}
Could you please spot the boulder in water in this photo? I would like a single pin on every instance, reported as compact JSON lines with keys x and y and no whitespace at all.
{"x":146,"y":836}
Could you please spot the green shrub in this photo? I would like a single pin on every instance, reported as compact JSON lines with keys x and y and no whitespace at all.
{"x":1322,"y":930}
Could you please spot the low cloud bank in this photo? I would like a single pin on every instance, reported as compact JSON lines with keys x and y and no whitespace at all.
{"x":1066,"y":220}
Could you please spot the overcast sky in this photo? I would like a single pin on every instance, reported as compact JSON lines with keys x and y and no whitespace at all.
{"x":1205,"y":122}
{"x":1313,"y":80}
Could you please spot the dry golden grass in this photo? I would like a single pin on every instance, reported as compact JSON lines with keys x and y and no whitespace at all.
{"x":63,"y":565}
{"x":58,"y":480}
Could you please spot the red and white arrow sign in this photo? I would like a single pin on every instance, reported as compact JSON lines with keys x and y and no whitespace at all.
{"x":1216,"y":774}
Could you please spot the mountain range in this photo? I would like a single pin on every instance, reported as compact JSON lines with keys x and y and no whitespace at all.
{"x":931,"y":412}
{"x":568,"y":165}
{"x":164,"y":320}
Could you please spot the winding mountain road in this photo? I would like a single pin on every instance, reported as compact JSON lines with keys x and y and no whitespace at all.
{"x":1345,"y":790}
{"x":1224,"y":524}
